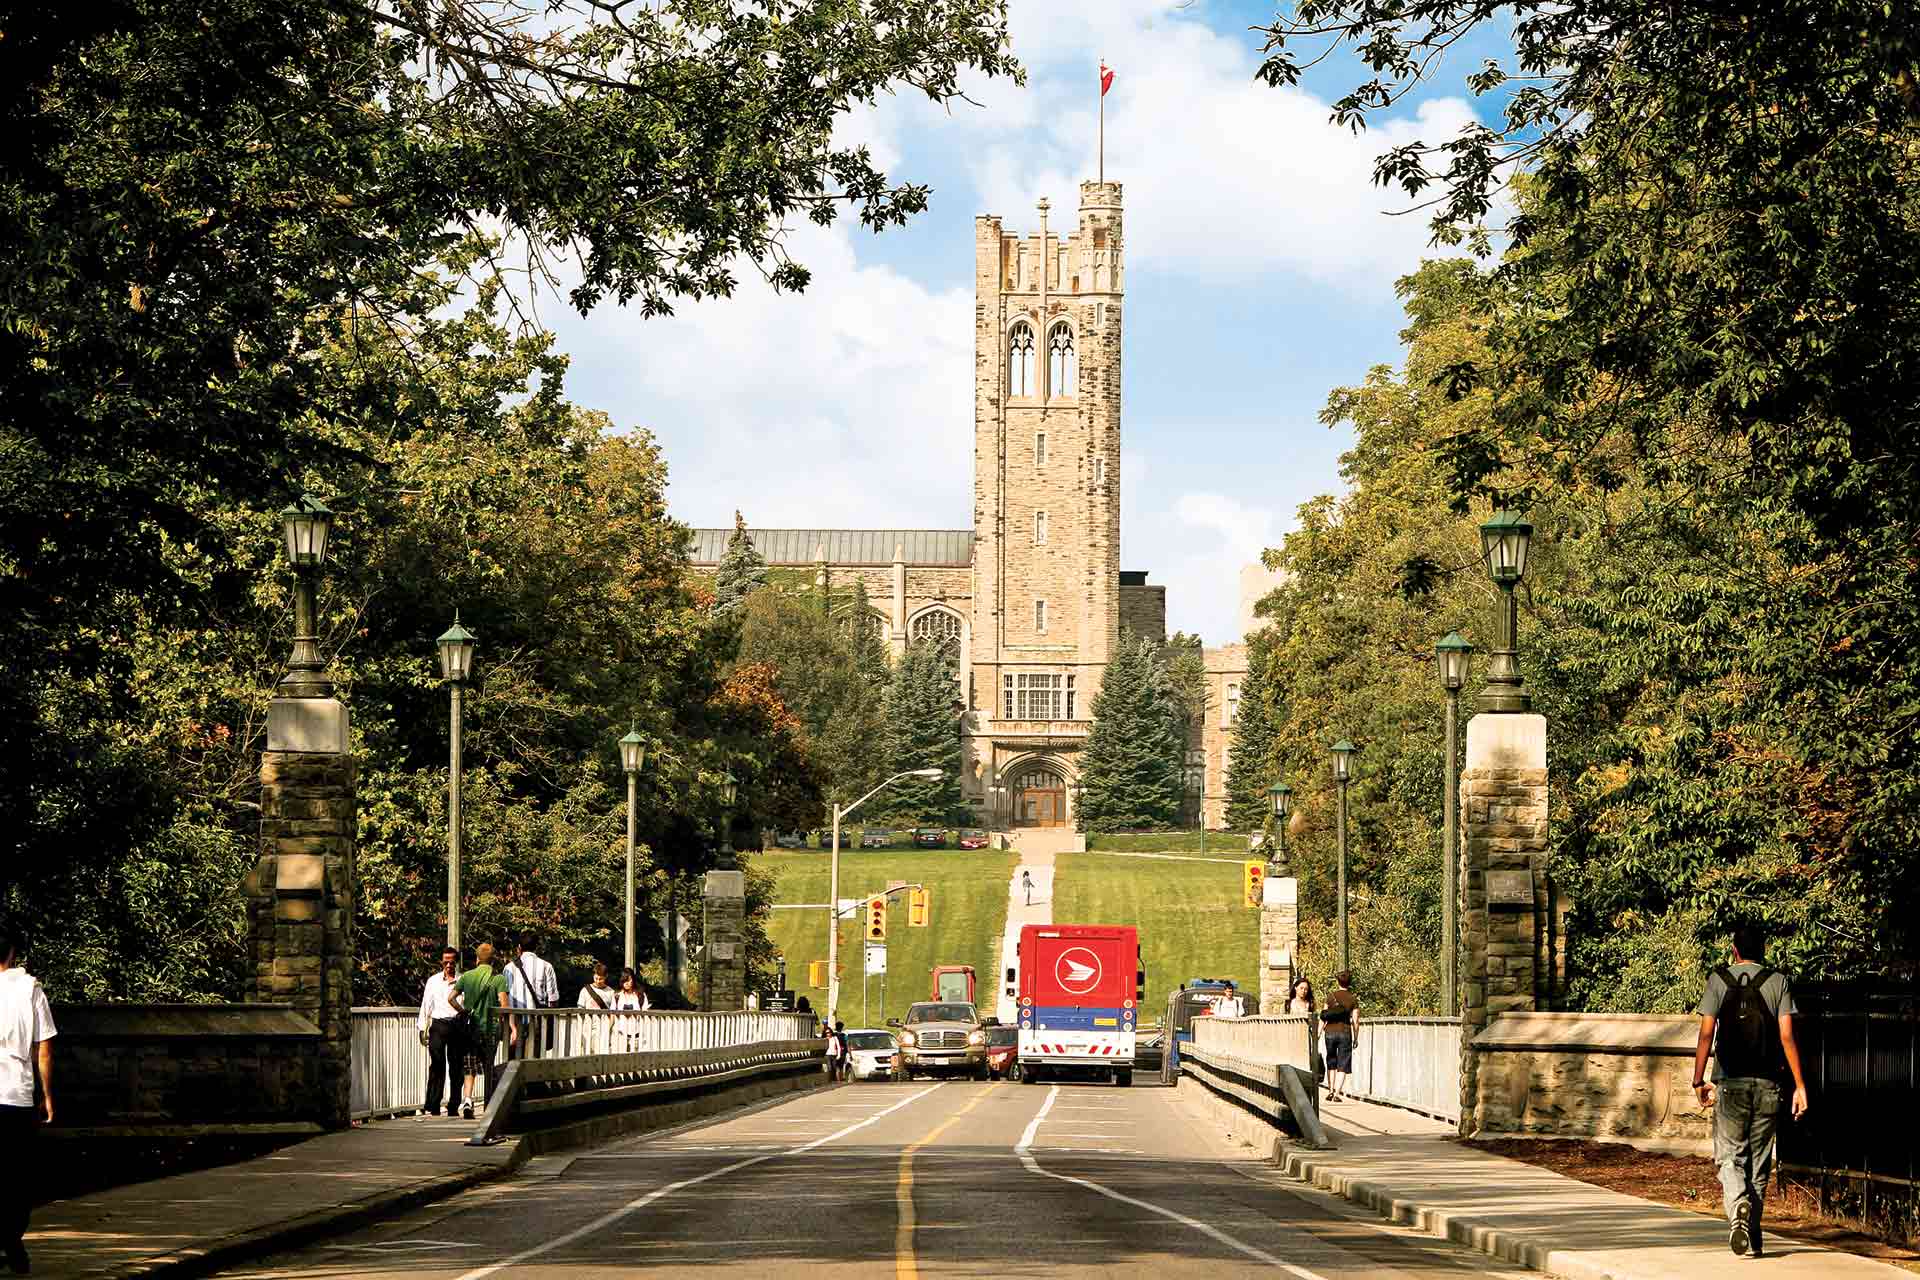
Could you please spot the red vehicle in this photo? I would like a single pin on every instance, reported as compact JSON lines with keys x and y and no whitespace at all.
{"x":1080,"y":987}
{"x":953,"y":983}
{"x":1003,"y":1053}
{"x":973,"y":839}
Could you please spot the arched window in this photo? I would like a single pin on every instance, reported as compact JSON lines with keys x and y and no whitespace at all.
{"x":1020,"y":360}
{"x":942,"y":629}
{"x":848,"y":618}
{"x":1063,"y":370}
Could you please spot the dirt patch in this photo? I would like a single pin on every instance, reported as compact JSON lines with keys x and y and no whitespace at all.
{"x":1688,"y":1182}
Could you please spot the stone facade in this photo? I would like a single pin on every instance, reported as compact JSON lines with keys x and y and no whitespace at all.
{"x":300,"y":905}
{"x":1505,"y":964}
{"x":1226,"y":672}
{"x":1627,"y":1077}
{"x":723,"y":978}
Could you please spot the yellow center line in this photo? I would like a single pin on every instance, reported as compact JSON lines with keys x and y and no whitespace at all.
{"x":905,"y":1265}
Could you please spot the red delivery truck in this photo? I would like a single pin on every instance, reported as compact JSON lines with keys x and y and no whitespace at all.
{"x":1080,"y":988}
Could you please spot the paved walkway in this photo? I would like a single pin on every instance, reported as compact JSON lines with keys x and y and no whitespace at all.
{"x":311,"y":1189}
{"x":1038,"y":863}
{"x":1405,"y":1166}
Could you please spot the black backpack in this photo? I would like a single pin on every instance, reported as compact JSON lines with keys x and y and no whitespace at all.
{"x":1748,"y":1041}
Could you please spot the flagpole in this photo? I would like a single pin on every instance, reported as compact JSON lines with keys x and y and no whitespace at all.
{"x":1099,"y":82}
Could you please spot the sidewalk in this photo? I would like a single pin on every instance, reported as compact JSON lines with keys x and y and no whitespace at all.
{"x":1019,"y":914}
{"x":1404,"y":1166}
{"x":320,"y":1186}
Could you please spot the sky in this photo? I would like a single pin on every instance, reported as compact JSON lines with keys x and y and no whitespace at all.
{"x":1260,"y":265}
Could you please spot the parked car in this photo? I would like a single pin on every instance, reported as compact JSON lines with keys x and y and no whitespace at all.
{"x":929,"y":838}
{"x":791,"y":840}
{"x":943,"y":1037}
{"x":972,"y":839}
{"x":871,"y":839}
{"x":1003,"y":1053}
{"x":875,"y":1054}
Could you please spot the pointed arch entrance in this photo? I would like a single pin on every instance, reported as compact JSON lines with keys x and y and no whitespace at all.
{"x":1039,"y":794}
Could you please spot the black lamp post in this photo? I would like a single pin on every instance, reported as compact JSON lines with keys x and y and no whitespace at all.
{"x":1342,"y":774}
{"x":456,"y":667}
{"x":729,"y":789}
{"x":307,"y":525}
{"x":1280,"y":796}
{"x":1503,"y":543}
{"x":633,"y":757}
{"x":1452,"y":653}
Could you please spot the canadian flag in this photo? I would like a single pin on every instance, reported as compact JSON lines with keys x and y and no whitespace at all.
{"x":1106,"y":79}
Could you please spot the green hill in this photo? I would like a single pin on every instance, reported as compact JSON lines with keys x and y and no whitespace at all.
{"x":969,"y":912}
{"x":1188,"y":911}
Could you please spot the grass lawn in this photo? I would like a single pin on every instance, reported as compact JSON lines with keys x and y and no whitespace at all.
{"x":969,"y":912}
{"x":1225,"y":844}
{"x":1189,"y":915}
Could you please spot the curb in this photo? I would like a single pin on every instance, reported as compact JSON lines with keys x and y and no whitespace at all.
{"x":1315,"y":1169}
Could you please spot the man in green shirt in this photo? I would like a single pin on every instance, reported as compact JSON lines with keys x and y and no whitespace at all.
{"x":483,"y":993}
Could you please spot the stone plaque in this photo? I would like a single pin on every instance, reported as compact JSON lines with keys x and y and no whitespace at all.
{"x":1510,"y":890}
{"x":720,"y":950}
{"x":1279,"y":958}
{"x":726,"y":884}
{"x":303,"y":873}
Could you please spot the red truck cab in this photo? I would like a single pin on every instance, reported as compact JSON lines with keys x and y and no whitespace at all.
{"x":953,"y":983}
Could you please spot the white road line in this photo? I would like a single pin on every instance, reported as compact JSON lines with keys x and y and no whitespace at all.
{"x":1024,"y":1150}
{"x":634,"y":1206}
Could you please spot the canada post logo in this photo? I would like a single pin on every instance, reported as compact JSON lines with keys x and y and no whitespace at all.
{"x":1077,"y":971}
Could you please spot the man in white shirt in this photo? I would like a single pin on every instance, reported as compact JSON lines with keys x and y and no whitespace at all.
{"x":532,"y":984}
{"x":440,"y":1030}
{"x":26,"y":1048}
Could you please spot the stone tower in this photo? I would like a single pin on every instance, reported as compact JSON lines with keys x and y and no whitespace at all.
{"x":1046,"y":501}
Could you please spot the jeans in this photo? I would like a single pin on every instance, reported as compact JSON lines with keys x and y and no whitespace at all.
{"x":1746,"y":1116}
{"x":446,"y":1054}
{"x":17,"y":1128}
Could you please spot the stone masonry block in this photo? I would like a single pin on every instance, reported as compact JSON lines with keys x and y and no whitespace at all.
{"x":300,"y":873}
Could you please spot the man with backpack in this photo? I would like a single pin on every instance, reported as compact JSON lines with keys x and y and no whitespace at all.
{"x":1746,"y":1027}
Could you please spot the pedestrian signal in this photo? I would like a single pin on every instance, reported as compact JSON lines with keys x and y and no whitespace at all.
{"x":1256,"y":873}
{"x":817,"y":974}
{"x":876,"y":919}
{"x":919,"y":907}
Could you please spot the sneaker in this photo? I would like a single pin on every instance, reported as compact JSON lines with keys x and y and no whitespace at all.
{"x":466,"y":1111}
{"x":1740,"y":1233}
{"x":425,"y":1113}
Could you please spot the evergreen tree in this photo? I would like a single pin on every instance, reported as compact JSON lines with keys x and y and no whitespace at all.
{"x":1136,"y":750}
{"x":922,"y":732}
{"x":1251,"y":766}
{"x":743,"y":570}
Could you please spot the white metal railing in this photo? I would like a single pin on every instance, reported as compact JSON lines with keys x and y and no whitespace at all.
{"x":389,"y":1075}
{"x":1263,"y":1039}
{"x":1408,"y":1062}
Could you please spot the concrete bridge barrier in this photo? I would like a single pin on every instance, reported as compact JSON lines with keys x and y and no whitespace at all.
{"x":1260,"y":1068}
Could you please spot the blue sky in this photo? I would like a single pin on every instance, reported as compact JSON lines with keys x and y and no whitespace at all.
{"x":1260,"y":260}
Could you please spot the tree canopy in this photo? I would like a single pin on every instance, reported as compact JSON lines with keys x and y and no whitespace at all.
{"x":1133,"y":768}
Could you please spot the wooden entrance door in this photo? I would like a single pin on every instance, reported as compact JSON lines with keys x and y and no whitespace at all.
{"x":1039,"y":799}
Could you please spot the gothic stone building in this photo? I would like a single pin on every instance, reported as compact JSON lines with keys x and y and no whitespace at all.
{"x":1030,"y":601}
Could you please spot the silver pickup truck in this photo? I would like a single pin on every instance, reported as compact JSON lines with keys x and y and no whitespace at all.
{"x":943,"y":1037}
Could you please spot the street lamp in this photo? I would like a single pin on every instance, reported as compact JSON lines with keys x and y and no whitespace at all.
{"x":307,"y":525}
{"x":1342,"y":774}
{"x":633,"y":757}
{"x":1453,"y":653}
{"x":840,"y":812}
{"x":456,"y":668}
{"x":729,"y":789}
{"x":1503,"y":544}
{"x":1280,"y":795}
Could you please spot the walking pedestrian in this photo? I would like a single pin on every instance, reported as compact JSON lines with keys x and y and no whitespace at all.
{"x":532,"y":984}
{"x":1746,"y":1026}
{"x":1301,"y":1000}
{"x":26,"y":1052}
{"x":1340,"y":1023}
{"x":629,"y":1000}
{"x":442,"y":1029}
{"x":599,"y":994}
{"x":483,"y":994}
{"x":1026,"y":882}
{"x":836,"y":1046}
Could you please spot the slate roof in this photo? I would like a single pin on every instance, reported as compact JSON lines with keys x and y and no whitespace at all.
{"x":946,"y":547}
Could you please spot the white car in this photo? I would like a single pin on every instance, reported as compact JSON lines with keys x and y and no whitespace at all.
{"x":874,"y":1052}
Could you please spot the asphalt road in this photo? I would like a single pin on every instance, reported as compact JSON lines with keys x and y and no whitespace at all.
{"x":869,"y":1180}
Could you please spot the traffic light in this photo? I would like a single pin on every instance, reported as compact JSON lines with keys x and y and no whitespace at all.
{"x":919,"y":907}
{"x":817,"y":974}
{"x":877,"y":919}
{"x":1256,"y":873}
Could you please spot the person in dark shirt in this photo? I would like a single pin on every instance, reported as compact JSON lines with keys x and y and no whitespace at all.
{"x":1340,"y":1021}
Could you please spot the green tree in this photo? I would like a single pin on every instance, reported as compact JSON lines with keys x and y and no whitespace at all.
{"x":1136,"y":751}
{"x":742,"y":571}
{"x":923,"y":733}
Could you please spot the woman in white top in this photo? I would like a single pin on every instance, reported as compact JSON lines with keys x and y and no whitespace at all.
{"x":631,"y":998}
{"x":598,"y":995}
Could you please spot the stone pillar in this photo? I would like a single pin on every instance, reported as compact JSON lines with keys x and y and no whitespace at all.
{"x":723,"y":978}
{"x":1503,"y":825}
{"x":300,"y":891}
{"x":1279,"y":941}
